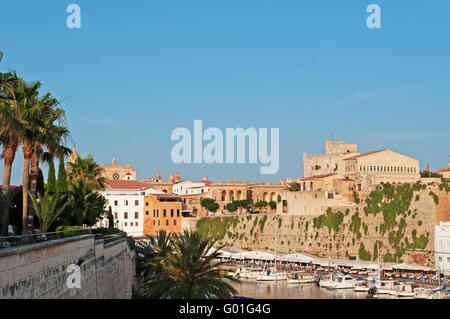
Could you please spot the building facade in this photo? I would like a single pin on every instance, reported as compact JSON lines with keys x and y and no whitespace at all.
{"x":442,"y":247}
{"x":126,"y":200}
{"x":162,"y":213}
{"x":445,"y":172}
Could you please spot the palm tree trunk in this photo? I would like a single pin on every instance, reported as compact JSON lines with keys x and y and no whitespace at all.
{"x":27,"y":225}
{"x":9,"y":153}
{"x":34,"y":172}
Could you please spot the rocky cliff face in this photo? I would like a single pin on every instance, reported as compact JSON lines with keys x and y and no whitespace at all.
{"x":393,"y":224}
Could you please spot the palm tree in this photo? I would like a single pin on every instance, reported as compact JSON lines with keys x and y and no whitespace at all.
{"x":47,"y":208}
{"x":190,"y":272}
{"x":9,"y":136}
{"x":30,"y":113}
{"x":50,"y":136}
{"x":85,"y":204}
{"x":88,"y":170}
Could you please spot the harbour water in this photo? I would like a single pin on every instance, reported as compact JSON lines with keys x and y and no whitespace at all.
{"x":283,"y":290}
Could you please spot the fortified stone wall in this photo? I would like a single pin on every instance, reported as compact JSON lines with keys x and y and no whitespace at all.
{"x":401,"y":230}
{"x":40,"y":270}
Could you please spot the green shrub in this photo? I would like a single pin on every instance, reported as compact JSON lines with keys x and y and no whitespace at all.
{"x":70,"y":231}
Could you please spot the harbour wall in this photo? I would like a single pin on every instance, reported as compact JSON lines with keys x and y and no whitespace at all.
{"x":40,"y":271}
{"x":400,"y":230}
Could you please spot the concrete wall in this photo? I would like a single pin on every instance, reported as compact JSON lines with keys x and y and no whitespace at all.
{"x":40,"y":270}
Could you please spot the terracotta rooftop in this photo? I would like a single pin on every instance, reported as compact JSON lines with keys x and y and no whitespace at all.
{"x":316,"y":177}
{"x":120,"y":184}
{"x":364,"y":154}
{"x":445,"y":169}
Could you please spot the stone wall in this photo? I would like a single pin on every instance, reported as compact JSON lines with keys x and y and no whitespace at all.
{"x":40,"y":270}
{"x":341,"y":232}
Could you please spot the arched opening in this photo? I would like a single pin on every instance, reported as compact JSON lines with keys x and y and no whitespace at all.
{"x":224,"y":196}
{"x":231,"y":198}
{"x":285,"y":206}
{"x":311,"y":186}
{"x":239,"y":195}
{"x":273,"y":197}
{"x":265,"y":197}
{"x":304,"y":186}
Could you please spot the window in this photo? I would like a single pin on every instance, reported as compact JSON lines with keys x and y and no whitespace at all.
{"x":159,"y":223}
{"x":154,"y":222}
{"x":146,"y":213}
{"x":154,"y":213}
{"x":178,"y":213}
{"x":125,"y":224}
{"x":136,"y":203}
{"x":146,"y":203}
{"x":126,"y":203}
{"x":167,"y":222}
{"x":116,"y":216}
{"x":136,"y":215}
{"x":171,"y":213}
{"x":137,"y":224}
{"x":125,"y":215}
{"x":116,"y":203}
{"x":131,"y":224}
{"x":174,"y":222}
{"x":157,"y":213}
{"x":164,"y":213}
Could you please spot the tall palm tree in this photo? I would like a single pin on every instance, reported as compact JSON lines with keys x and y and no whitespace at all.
{"x":30,"y":116}
{"x":190,"y":272}
{"x":9,"y":134}
{"x":51,"y":135}
{"x":88,"y":170}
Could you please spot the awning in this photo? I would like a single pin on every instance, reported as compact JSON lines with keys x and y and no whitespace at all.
{"x":412,"y":267}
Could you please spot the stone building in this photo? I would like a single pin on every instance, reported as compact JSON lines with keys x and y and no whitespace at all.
{"x":332,"y":162}
{"x":332,"y":178}
{"x":162,"y":212}
{"x":445,"y":172}
{"x":118,"y":172}
{"x":383,"y":166}
{"x":126,"y":199}
{"x":342,"y":160}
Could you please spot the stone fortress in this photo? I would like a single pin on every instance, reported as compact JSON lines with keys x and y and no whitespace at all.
{"x":330,"y":179}
{"x":369,"y":206}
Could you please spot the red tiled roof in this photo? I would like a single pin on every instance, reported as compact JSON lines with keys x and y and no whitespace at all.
{"x":365,"y":154}
{"x":316,"y":177}
{"x":120,"y":184}
{"x":445,"y":169}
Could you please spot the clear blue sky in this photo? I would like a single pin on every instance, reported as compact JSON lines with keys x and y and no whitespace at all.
{"x":138,"y":69}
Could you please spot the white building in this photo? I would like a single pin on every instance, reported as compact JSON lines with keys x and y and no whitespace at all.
{"x":442,"y":247}
{"x":126,"y":199}
{"x":190,"y":188}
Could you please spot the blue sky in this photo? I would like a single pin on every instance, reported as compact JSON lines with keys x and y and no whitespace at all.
{"x":137,"y":70}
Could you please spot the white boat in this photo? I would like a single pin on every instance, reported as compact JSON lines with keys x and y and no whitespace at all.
{"x":326,"y":281}
{"x":385,"y":287}
{"x":301,"y":278}
{"x":247,"y":274}
{"x":361,"y":286}
{"x":423,"y":293}
{"x":342,"y":282}
{"x":404,"y":290}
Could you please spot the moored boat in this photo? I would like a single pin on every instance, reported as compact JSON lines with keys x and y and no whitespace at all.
{"x":300,"y":278}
